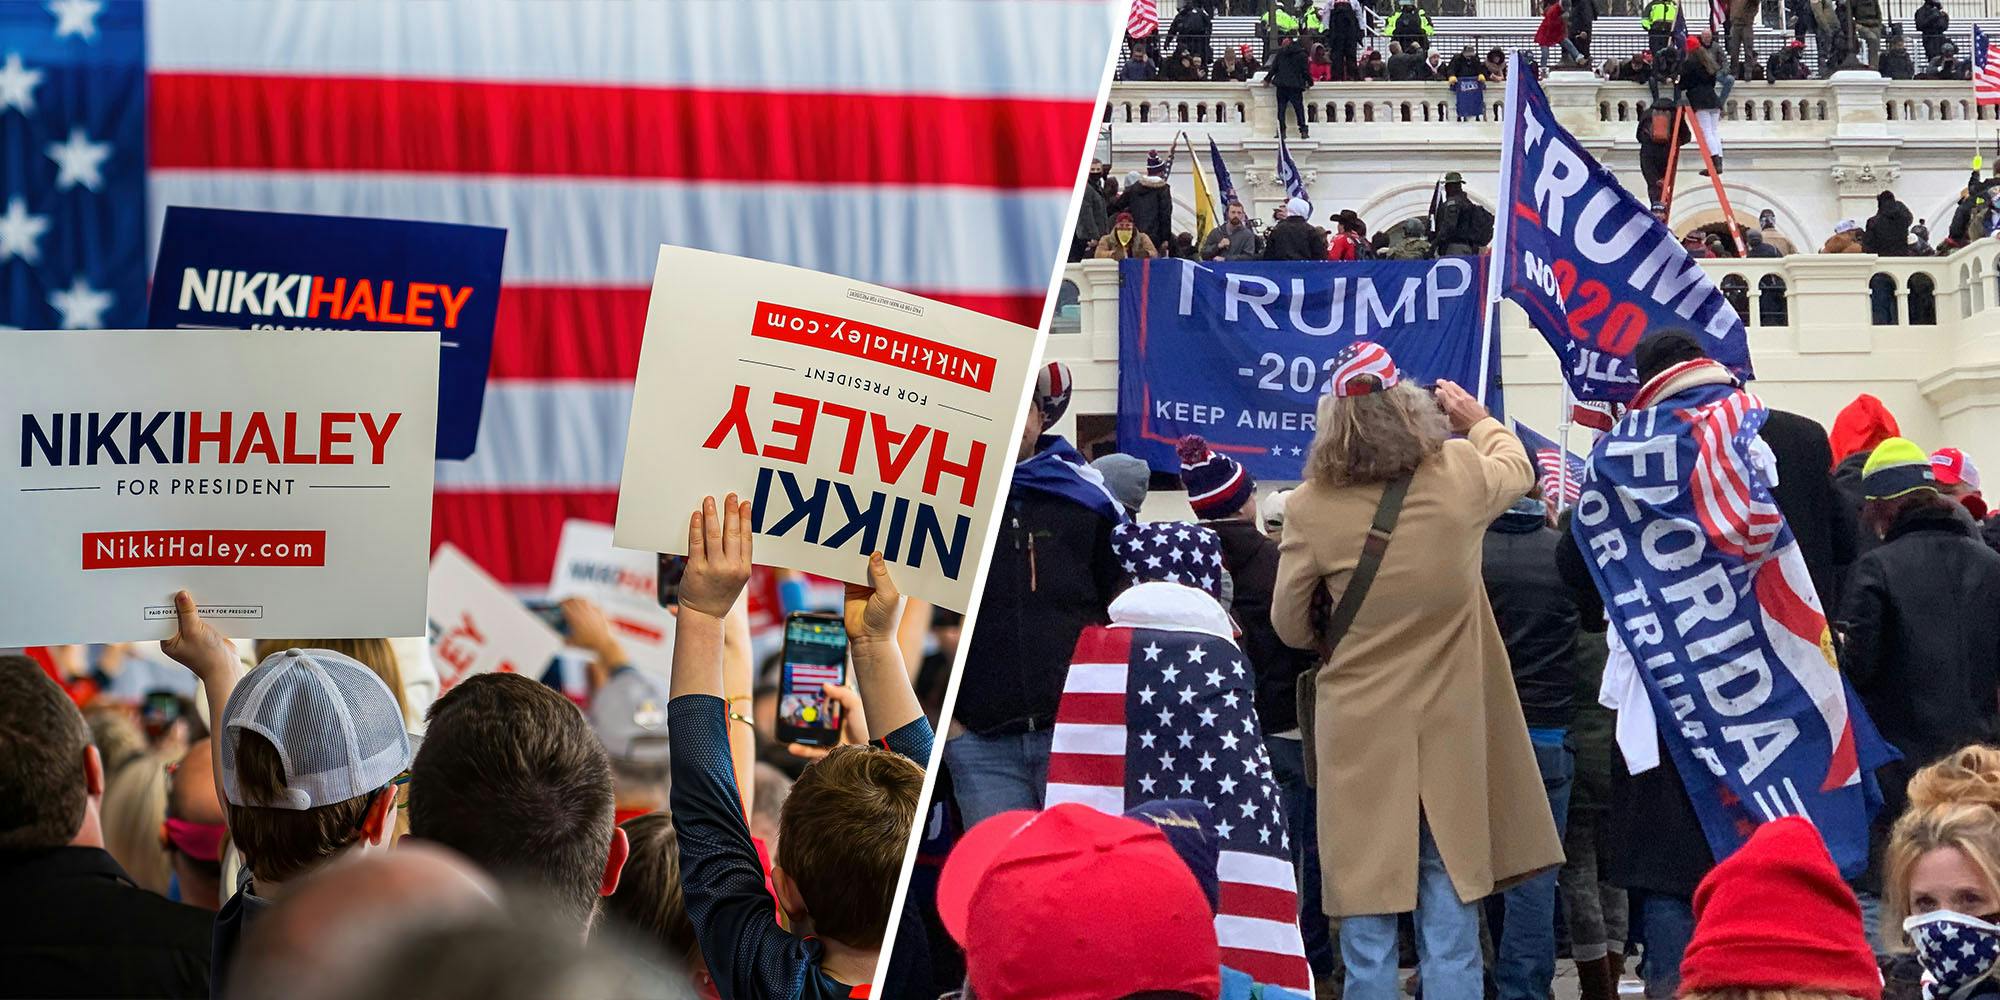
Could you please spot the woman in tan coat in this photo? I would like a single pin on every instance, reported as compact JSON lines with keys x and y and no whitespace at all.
{"x":1429,"y":798}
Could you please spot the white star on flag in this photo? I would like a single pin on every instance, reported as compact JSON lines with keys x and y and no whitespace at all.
{"x":1295,"y":450}
{"x":1187,"y":785}
{"x":19,"y":231}
{"x":1277,"y":449}
{"x":1187,"y":740}
{"x":1187,"y":695}
{"x":1215,"y":680}
{"x":82,"y":306}
{"x":76,"y":17}
{"x":1196,"y":653}
{"x":1153,"y":652}
{"x":1228,"y":785}
{"x":1146,"y":695}
{"x":1229,"y":698}
{"x":1207,"y":717}
{"x":1229,"y":741}
{"x":1207,"y":761}
{"x":1223,"y":830}
{"x":1146,"y":784}
{"x":79,"y":161}
{"x":1152,"y":562}
{"x":1166,"y":762}
{"x":17,"y":84}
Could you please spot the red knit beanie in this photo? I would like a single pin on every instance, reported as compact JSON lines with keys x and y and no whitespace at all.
{"x":1776,"y":916}
{"x":1860,"y":426}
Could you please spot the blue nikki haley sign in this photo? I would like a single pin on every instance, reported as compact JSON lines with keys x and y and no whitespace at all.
{"x":1241,"y":353}
{"x":276,"y":271}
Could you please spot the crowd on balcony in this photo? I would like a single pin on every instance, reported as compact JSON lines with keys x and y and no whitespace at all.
{"x":1353,"y":40}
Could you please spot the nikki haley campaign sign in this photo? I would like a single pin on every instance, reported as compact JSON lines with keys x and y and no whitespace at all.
{"x":284,"y":481}
{"x":477,"y":626}
{"x":623,"y":584}
{"x":1588,"y":262}
{"x":854,"y":417}
{"x":280,"y":271}
{"x":1241,"y":353}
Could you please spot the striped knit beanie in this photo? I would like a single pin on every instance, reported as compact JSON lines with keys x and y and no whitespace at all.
{"x":1217,"y":486}
{"x":1895,"y":468}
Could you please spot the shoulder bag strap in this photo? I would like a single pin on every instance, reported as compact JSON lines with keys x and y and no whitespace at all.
{"x":1341,"y":618}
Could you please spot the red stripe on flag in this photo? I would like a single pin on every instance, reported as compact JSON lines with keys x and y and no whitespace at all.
{"x":249,"y":122}
{"x":1098,"y":644}
{"x":1262,"y":902}
{"x":513,"y":534}
{"x":1087,"y":709}
{"x":1289,"y":971}
{"x":1087,"y":769}
{"x":550,"y":332}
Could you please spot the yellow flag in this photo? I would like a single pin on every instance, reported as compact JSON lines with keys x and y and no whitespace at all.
{"x":1204,"y":206}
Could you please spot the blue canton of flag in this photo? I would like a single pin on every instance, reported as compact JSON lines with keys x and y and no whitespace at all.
{"x":73,"y":164}
{"x":1288,"y":175}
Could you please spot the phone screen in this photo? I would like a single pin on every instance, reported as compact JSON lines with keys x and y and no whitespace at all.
{"x":670,"y":571}
{"x":815,"y":654}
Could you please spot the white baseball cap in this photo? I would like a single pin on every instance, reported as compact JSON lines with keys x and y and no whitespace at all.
{"x":334,"y":723}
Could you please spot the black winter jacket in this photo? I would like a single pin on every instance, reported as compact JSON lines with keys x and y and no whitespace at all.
{"x":1819,"y":516}
{"x":1052,"y":574}
{"x":1920,"y":636}
{"x":1251,"y":558}
{"x":1152,"y":209}
{"x":1931,"y":19}
{"x":1291,"y":68}
{"x":1888,"y":230}
{"x":1294,"y":239}
{"x":1537,"y":617}
{"x":1847,"y":483}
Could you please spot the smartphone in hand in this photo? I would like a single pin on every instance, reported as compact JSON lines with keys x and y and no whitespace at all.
{"x":815,"y":654}
{"x":668,"y":578}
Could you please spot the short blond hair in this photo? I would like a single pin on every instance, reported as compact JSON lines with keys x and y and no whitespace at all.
{"x":1954,"y":803}
{"x":1375,"y":438}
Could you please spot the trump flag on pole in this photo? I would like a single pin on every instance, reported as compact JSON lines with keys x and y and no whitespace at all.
{"x":1588,"y":262}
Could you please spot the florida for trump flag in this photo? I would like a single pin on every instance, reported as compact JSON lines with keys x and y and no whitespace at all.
{"x":1706,"y":587}
{"x":928,"y":145}
{"x":1150,"y":714}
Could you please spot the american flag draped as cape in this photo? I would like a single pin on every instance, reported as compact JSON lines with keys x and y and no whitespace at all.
{"x":928,"y":145}
{"x":1150,"y":713}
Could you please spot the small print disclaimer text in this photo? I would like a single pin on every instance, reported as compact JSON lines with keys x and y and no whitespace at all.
{"x":161,"y":612}
{"x":197,"y":547}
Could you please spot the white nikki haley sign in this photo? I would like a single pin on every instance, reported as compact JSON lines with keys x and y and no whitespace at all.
{"x":284,"y":481}
{"x":855,"y":418}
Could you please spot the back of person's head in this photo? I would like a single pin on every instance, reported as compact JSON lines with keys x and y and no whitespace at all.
{"x":1969,"y":774}
{"x":135,"y":804}
{"x":311,"y":742}
{"x":1775,"y":919}
{"x":510,"y":956}
{"x":196,"y":827}
{"x":312,"y":942}
{"x":118,"y":737}
{"x":511,"y":776}
{"x":1662,"y":349}
{"x":648,"y":903}
{"x":841,"y":840}
{"x":1374,"y":426}
{"x":377,"y":655}
{"x":44,"y":791}
{"x":629,"y":715}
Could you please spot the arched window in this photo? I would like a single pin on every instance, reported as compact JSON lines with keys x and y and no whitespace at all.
{"x":1737,"y":291}
{"x":1882,"y":300}
{"x":1977,"y":287}
{"x":1773,"y":309}
{"x":1923,"y":300}
{"x":1069,"y":310}
{"x":1965,"y":291}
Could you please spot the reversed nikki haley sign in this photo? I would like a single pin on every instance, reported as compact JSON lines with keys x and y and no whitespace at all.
{"x":221,"y":269}
{"x":478,"y":627}
{"x":855,"y":418}
{"x":284,"y":481}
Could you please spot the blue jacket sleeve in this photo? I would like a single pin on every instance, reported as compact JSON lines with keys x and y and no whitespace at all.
{"x":722,"y":883}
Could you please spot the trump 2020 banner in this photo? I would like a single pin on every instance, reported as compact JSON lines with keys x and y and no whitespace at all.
{"x":1241,"y":353}
{"x":1588,"y":262}
{"x":222,"y":269}
{"x":1706,"y":588}
{"x":284,"y":481}
{"x":855,"y":418}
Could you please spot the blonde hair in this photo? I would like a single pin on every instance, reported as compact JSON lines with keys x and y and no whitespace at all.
{"x":375,"y":654}
{"x":1954,"y":803}
{"x":1375,"y":438}
{"x":1740,"y":993}
{"x":135,"y":804}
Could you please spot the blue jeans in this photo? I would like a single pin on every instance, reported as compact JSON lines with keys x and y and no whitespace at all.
{"x":992,"y":774}
{"x":1448,"y":959}
{"x":1525,"y":966}
{"x":1302,"y":822}
{"x":1666,"y":924}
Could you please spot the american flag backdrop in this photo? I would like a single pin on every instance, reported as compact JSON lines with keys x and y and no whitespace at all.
{"x":929,"y":145}
{"x":1549,"y":457}
{"x":1150,"y":714}
{"x":1985,"y":67}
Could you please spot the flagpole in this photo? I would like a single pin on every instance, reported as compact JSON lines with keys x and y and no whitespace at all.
{"x":1562,"y":442}
{"x":1496,"y":259}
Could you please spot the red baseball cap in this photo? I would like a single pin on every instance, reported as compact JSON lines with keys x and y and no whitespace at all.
{"x":1775,"y":916}
{"x":1951,"y":467}
{"x":1075,"y":904}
